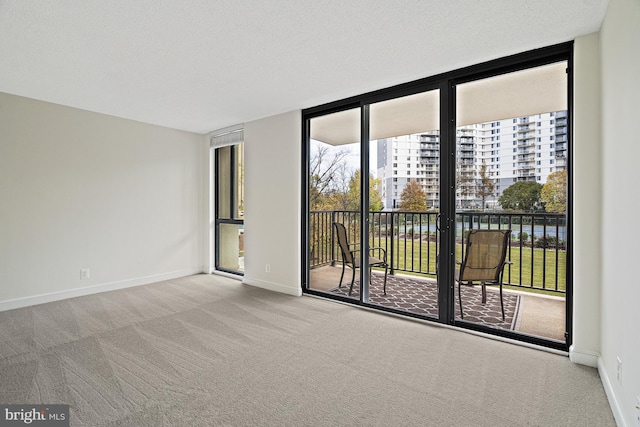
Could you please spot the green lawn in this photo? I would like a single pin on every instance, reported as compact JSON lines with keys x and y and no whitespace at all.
{"x":420,"y":257}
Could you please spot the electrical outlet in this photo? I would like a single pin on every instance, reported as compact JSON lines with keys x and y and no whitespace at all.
{"x":267,"y":268}
{"x":84,"y":273}
{"x":638,"y":410}
{"x":619,"y":370}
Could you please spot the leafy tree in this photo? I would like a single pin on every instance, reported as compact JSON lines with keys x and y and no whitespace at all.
{"x":554,"y":192}
{"x":521,"y":196}
{"x":352,"y":195}
{"x":413,"y":198}
{"x":485,"y":187}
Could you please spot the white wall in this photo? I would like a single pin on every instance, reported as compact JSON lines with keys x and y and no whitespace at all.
{"x":272,"y":202}
{"x":620,"y":41}
{"x":587,"y":200}
{"x":85,"y":190}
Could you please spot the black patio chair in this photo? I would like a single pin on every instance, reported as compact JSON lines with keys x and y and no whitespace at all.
{"x":484,"y":262}
{"x":350,"y":259}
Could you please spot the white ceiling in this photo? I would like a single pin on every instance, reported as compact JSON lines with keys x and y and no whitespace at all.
{"x":201,"y":65}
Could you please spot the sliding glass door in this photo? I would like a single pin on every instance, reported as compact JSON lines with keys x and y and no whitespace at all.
{"x":405,"y":185}
{"x":384,"y":220}
{"x":511,"y":174}
{"x":334,"y":189}
{"x":398,"y":180}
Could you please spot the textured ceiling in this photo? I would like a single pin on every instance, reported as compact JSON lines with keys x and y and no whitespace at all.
{"x":201,"y":65}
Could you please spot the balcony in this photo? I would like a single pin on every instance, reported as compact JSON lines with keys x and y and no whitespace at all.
{"x":429,"y":153}
{"x":429,"y":146}
{"x":429,"y":139}
{"x":465,"y":132}
{"x":535,"y":282}
{"x":526,"y":143}
{"x":527,"y":135}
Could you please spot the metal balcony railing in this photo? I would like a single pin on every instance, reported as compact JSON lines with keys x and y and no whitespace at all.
{"x":537,"y":248}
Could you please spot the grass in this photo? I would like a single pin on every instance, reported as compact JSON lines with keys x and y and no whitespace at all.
{"x":420,"y":257}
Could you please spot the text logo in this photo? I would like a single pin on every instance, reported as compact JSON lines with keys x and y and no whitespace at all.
{"x":34,"y":415}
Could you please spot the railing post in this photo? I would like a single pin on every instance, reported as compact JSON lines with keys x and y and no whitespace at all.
{"x":333,"y":246}
{"x":391,"y":269}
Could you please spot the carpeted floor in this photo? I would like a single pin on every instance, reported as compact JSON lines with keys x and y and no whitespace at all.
{"x":206,"y":350}
{"x":421,"y":297}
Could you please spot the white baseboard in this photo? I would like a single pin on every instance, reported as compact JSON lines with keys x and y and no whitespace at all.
{"x":583,"y":357}
{"x":593,"y":359}
{"x":94,"y":289}
{"x":276,"y":287}
{"x":608,"y":388}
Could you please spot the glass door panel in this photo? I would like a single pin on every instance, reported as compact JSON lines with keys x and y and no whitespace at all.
{"x":511,"y":169}
{"x":404,"y":179}
{"x":229,"y":209}
{"x":334,"y":203}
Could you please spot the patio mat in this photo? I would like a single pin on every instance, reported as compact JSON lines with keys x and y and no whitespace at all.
{"x":421,"y":297}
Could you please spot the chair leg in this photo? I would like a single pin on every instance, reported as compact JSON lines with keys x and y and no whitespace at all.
{"x":384,"y":287}
{"x":460,"y":301}
{"x":353,"y":278}
{"x":342,"y":275}
{"x":501,"y":302}
{"x":484,"y":293}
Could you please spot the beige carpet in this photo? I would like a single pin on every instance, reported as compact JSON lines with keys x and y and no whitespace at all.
{"x":206,"y":350}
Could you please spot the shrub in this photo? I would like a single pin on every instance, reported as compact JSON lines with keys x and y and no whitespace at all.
{"x":550,"y":242}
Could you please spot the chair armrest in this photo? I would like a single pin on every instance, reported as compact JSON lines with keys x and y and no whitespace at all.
{"x":380,"y":249}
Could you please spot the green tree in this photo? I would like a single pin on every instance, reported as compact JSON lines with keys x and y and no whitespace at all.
{"x":521,"y":196}
{"x":413,"y":198}
{"x":352,"y":195}
{"x":554,"y":192}
{"x":485,"y":187}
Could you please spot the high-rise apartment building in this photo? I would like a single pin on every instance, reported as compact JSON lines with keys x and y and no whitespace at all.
{"x":511,"y":150}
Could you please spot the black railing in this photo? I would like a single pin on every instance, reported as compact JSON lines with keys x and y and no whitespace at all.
{"x":537,"y":250}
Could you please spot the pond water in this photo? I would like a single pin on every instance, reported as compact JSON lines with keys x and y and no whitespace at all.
{"x":537,"y":230}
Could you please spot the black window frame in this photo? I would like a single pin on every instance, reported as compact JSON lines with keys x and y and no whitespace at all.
{"x":446,"y":83}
